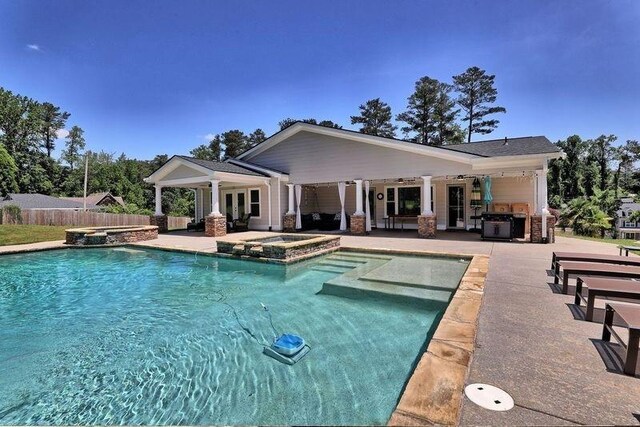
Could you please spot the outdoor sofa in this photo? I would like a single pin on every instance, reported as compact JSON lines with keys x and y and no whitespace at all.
{"x":321,"y":221}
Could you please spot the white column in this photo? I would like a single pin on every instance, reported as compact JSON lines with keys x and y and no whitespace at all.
{"x":359,"y":210}
{"x":291,"y":210}
{"x":426,"y":195}
{"x":215,"y":198}
{"x":158,"y":200}
{"x":542,"y":197}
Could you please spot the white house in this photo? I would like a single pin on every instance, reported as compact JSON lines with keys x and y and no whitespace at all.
{"x":308,"y":169}
{"x":627,"y":228}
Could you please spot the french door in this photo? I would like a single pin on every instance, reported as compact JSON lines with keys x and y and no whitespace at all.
{"x":455,"y":207}
{"x":235,"y":203}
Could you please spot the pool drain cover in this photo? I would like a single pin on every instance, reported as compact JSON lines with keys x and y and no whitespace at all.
{"x":489,"y":397}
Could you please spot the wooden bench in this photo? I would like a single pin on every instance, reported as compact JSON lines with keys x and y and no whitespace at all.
{"x":630,"y":315}
{"x":570,"y":268}
{"x":597,"y":258}
{"x":604,"y":288}
{"x":626,"y":249}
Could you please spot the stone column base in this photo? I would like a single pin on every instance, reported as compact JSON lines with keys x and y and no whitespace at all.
{"x":536,"y":229}
{"x":358,"y":225}
{"x":161,"y":221}
{"x":289,"y":223}
{"x":215,"y":226}
{"x":427,"y":226}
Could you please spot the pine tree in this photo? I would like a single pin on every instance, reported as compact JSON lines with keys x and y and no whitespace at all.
{"x":285,"y":123}
{"x":74,"y":145}
{"x":210,"y":151}
{"x":52,"y":121}
{"x":255,"y":138}
{"x":430,"y":114}
{"x":234,"y":142}
{"x":375,"y":118}
{"x":476,"y":92}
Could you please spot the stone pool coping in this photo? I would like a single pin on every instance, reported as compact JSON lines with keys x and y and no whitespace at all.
{"x":433,"y":395}
{"x":110,"y":235}
{"x":434,"y":392}
{"x":278,"y":252}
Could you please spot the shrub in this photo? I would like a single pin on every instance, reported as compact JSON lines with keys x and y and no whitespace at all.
{"x":11,"y":214}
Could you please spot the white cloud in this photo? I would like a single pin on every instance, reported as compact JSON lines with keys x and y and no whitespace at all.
{"x":208,"y":137}
{"x":34,"y":47}
{"x":62,"y":133}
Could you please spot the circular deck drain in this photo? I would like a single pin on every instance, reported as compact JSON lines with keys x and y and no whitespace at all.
{"x":489,"y":397}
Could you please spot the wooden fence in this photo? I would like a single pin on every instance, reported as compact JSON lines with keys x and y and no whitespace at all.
{"x":88,"y":219}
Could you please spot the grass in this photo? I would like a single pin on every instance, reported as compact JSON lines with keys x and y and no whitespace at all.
{"x":20,"y":234}
{"x":625,"y":242}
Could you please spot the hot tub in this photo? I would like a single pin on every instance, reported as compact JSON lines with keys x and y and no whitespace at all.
{"x":281,"y":247}
{"x":91,"y":236}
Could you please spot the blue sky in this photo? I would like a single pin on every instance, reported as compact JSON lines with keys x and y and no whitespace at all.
{"x":145,"y":77}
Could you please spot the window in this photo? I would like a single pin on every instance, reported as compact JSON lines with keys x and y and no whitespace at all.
{"x":409,"y":200}
{"x":254,"y":202}
{"x":391,"y":201}
{"x":406,"y":200}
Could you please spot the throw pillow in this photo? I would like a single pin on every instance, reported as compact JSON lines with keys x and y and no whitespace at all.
{"x":315,"y":216}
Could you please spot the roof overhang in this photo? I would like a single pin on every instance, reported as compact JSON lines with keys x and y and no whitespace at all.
{"x":195,"y":181}
{"x":536,"y":161}
{"x":424,"y":150}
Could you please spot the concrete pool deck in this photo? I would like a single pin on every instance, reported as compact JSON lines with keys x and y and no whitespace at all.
{"x":530,"y":342}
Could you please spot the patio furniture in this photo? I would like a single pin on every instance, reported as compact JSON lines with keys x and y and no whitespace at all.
{"x":570,"y":268}
{"x":604,"y":288}
{"x":196,"y":226}
{"x":630,"y":315}
{"x":242,"y":223}
{"x":627,"y":248}
{"x":594,"y":258}
{"x":402,"y":219}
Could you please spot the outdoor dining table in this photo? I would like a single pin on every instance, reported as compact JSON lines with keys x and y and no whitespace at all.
{"x":390,"y":221}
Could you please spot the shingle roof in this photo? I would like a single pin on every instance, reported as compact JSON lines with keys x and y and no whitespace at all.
{"x":221,"y":166}
{"x":39,"y":201}
{"x":95,"y":198}
{"x":512,"y":147}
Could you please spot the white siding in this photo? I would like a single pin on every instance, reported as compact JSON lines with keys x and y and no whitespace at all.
{"x":312,"y":158}
{"x":183,"y":171}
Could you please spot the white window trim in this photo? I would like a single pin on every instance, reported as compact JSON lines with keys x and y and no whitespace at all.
{"x":395,"y":197}
{"x":249,"y":190}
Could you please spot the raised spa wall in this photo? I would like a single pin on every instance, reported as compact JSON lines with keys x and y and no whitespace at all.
{"x":302,"y":247}
{"x":91,"y":236}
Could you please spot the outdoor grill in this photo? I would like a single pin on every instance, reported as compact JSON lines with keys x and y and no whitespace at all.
{"x":498,"y":226}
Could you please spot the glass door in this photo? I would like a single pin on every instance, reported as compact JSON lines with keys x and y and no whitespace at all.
{"x":235,"y":204}
{"x":455,"y":208}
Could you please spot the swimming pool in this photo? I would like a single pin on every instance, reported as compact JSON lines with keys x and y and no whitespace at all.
{"x":120,"y":336}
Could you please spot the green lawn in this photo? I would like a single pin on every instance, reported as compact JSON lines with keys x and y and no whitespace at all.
{"x":19,"y":234}
{"x":626,"y":242}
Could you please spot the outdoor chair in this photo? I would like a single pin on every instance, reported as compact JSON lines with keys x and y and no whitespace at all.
{"x":196,"y":226}
{"x":570,"y":268}
{"x":242,"y":223}
{"x":604,"y":288}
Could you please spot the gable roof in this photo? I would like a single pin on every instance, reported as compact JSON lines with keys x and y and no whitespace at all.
{"x":507,"y":147}
{"x":222,"y":166}
{"x":39,"y":201}
{"x":533,"y":145}
{"x":95,"y":199}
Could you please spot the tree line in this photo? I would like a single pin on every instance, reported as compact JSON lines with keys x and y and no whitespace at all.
{"x":30,"y":130}
{"x":587,"y":184}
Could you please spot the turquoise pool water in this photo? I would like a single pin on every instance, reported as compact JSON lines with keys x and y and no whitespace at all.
{"x":111,"y":336}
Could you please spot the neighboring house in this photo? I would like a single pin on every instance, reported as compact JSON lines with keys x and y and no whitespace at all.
{"x":627,"y":229}
{"x":98,"y":199}
{"x":301,"y":168}
{"x":39,"y":201}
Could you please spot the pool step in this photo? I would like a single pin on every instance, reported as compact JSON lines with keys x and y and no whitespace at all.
{"x":363,"y":256}
{"x":339,"y":263}
{"x":354,"y":288}
{"x":330,"y":269}
{"x":339,"y":257}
